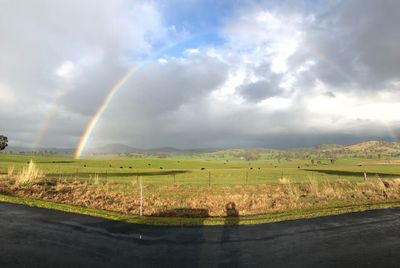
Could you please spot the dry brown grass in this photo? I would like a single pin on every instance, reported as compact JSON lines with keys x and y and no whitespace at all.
{"x":29,"y":175}
{"x":95,"y":179}
{"x":10,"y":171}
{"x":249,"y":199}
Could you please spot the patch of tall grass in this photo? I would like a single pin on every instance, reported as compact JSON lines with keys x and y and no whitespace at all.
{"x":29,"y":175}
{"x":10,"y":171}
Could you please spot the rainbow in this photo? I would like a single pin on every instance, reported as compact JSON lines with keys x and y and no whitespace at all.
{"x":95,"y":119}
{"x":46,"y":123}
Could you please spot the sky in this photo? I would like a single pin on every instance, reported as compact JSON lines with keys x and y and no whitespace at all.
{"x":208,"y":74}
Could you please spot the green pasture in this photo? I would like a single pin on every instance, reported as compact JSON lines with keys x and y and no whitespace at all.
{"x":187,"y":170}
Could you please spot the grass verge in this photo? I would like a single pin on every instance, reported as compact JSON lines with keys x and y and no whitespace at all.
{"x":318,"y":211}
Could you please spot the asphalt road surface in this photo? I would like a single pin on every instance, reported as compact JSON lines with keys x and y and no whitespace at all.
{"x":34,"y":237}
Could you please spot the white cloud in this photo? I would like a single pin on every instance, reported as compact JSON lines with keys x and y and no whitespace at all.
{"x":65,"y":70}
{"x":281,"y":75}
{"x":265,"y":36}
{"x":8,"y":97}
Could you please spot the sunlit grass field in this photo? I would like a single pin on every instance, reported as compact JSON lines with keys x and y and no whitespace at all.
{"x":200,"y":172}
{"x":173,"y":185}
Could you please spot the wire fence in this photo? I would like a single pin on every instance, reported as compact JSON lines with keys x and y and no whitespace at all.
{"x":203,"y":176}
{"x":214,"y":177}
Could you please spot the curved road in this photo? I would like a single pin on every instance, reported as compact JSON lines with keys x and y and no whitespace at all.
{"x":35,"y":237}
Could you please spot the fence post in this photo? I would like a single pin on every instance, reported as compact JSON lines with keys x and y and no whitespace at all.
{"x":247,"y":177}
{"x":209,"y":178}
{"x":365,"y":176}
{"x":141,"y":200}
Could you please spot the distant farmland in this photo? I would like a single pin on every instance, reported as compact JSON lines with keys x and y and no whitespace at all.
{"x":202,"y":172}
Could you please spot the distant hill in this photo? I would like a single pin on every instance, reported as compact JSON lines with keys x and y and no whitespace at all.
{"x":114,"y":149}
{"x":164,"y":150}
{"x":42,"y":150}
{"x":371,"y":146}
{"x":374,"y":145}
{"x":328,"y":146}
{"x":122,"y":148}
{"x":106,"y":149}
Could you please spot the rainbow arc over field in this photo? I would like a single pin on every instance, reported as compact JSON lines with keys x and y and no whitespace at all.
{"x":107,"y":100}
{"x":93,"y":121}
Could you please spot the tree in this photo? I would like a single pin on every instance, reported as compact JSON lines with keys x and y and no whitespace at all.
{"x":3,"y":142}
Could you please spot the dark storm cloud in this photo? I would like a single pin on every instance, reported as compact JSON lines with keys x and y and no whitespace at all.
{"x":176,"y":83}
{"x":329,"y":94}
{"x":87,"y":92}
{"x":196,"y":125}
{"x":152,"y":102}
{"x":259,"y":90}
{"x":354,"y":43}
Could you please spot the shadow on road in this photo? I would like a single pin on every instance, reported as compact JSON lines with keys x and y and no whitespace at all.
{"x":232,"y":214}
{"x":230,"y":251}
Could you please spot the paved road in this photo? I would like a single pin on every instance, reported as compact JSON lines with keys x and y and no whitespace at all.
{"x":34,"y":237}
